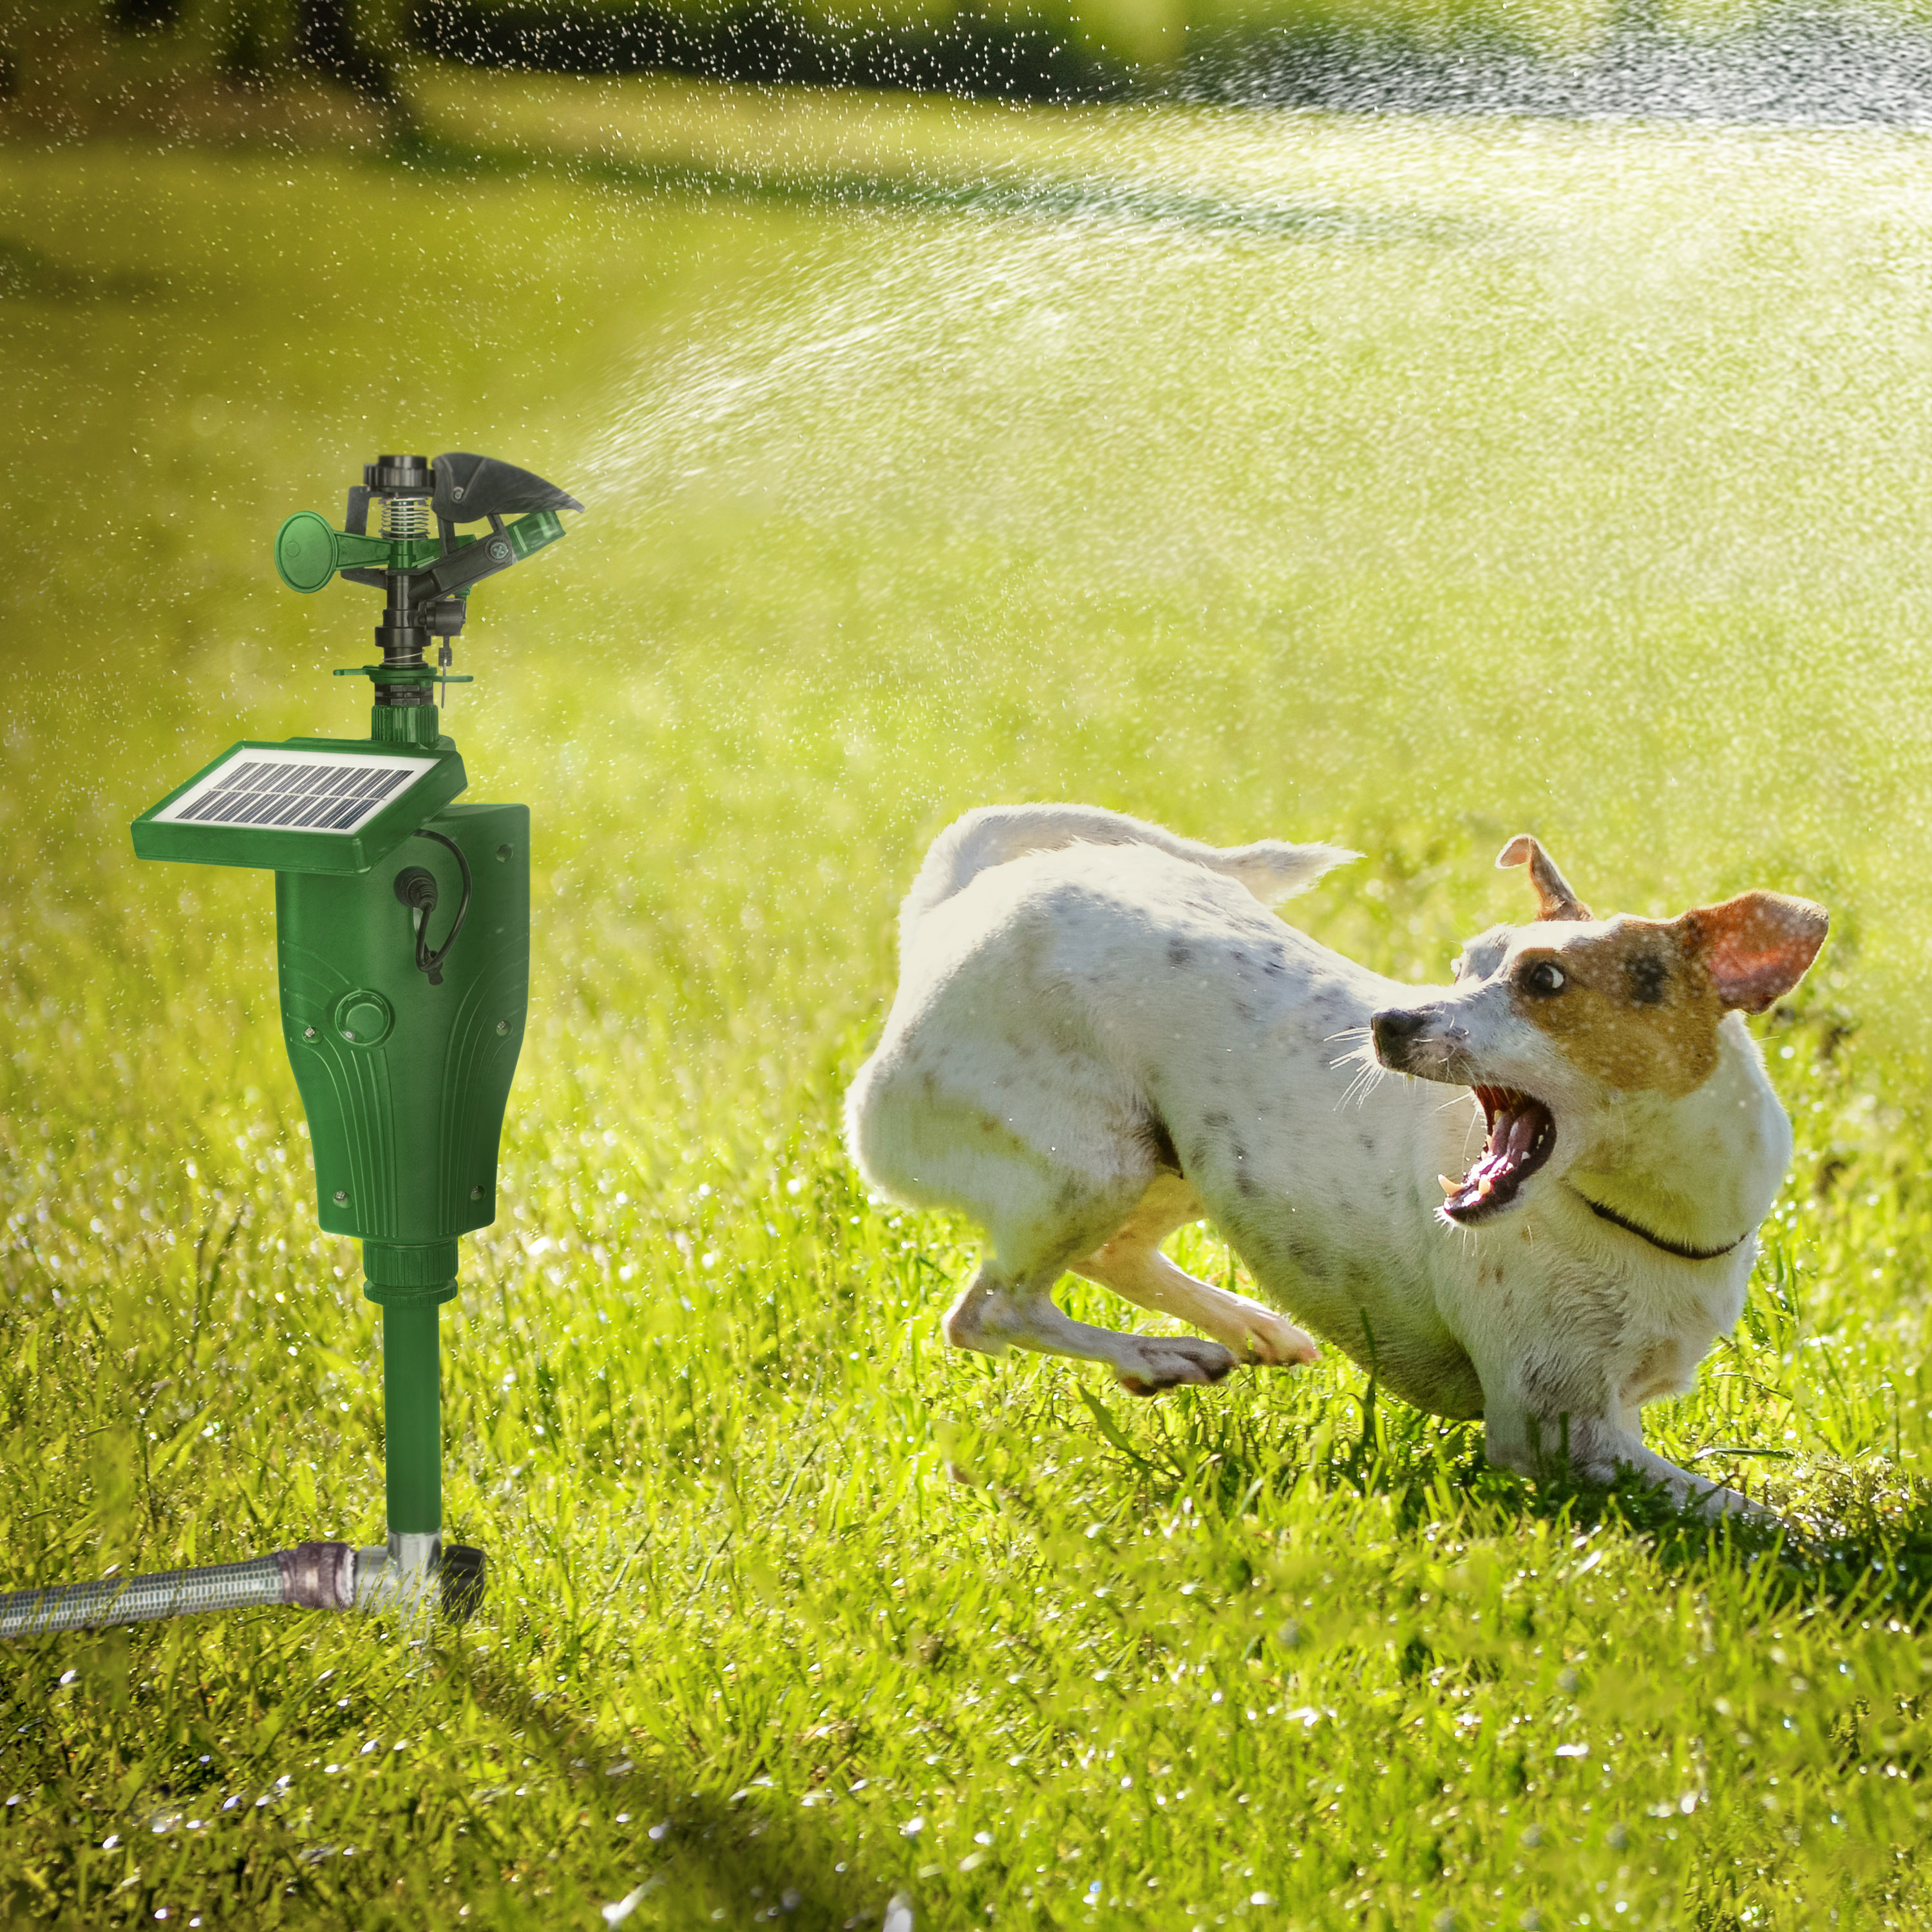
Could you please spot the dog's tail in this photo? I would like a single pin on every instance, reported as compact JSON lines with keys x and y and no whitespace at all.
{"x":995,"y":833}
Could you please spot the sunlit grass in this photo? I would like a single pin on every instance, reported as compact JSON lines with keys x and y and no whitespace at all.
{"x":1562,"y":478}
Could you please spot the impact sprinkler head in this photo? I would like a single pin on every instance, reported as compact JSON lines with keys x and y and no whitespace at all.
{"x":428,"y":578}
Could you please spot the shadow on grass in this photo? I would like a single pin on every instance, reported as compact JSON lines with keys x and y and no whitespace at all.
{"x":122,"y":1760}
{"x":1857,"y":1538}
{"x":710,"y":1856}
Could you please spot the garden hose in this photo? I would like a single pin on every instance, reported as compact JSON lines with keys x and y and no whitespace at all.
{"x":133,"y":1600}
{"x":311,"y":1577}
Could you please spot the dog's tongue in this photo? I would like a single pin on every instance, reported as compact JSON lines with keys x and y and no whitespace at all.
{"x":1522,"y":1132}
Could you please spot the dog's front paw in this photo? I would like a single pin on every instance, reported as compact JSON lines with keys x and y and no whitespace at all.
{"x":1721,"y":1501}
{"x":1272,"y":1343}
{"x":1164,"y":1362}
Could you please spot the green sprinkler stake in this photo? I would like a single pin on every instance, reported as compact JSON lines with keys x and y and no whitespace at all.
{"x":403,"y":949}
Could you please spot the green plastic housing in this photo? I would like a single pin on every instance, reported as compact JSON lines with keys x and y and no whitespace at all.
{"x":405,"y":1083}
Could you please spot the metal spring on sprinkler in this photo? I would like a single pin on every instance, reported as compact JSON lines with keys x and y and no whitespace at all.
{"x":405,"y":516}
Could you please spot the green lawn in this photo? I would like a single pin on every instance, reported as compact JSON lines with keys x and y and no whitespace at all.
{"x":1406,"y":483}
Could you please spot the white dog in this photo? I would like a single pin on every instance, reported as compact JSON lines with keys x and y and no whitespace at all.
{"x":1100,"y":1033}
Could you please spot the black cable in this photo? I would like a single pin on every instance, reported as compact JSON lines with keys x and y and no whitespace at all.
{"x":427,"y":962}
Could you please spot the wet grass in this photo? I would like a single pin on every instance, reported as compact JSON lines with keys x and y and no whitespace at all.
{"x":1583,"y":511}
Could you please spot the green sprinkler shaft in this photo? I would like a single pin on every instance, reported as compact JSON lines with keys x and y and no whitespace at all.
{"x":412,"y":1418}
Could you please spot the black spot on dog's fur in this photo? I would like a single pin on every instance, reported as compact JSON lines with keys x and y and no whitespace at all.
{"x":1649,"y":975}
{"x":1178,"y":953}
{"x":1308,"y":1261}
{"x":1160,"y":1144}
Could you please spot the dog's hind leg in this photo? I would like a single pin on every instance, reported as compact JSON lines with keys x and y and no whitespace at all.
{"x":994,"y":1313}
{"x":1597,"y":1449}
{"x":1046,"y":1186}
{"x":1131,"y":1264}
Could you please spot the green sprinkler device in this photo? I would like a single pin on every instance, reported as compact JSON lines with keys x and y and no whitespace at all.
{"x":403,"y":945}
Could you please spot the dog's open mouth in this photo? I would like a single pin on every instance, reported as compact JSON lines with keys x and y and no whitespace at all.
{"x":1522,"y":1133}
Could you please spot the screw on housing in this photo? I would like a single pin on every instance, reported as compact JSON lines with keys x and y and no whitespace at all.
{"x":403,"y":1053}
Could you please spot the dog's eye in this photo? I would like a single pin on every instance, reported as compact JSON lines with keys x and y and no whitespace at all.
{"x":1545,"y":977}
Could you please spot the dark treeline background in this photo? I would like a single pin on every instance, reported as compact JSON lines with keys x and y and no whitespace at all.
{"x":1779,"y":60}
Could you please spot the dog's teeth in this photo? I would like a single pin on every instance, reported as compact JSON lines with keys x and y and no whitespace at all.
{"x":1447,"y":1185}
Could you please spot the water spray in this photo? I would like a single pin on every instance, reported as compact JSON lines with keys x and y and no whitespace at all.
{"x":402,"y":948}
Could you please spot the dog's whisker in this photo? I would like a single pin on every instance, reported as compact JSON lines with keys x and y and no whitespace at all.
{"x":1357,"y":1086}
{"x":1368,"y":1077}
{"x":1359,"y":1056}
{"x":1369,"y":1072}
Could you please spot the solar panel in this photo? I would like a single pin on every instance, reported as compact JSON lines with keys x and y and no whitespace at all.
{"x":284,"y":789}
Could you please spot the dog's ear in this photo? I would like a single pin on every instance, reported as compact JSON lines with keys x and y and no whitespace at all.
{"x":1757,"y":947}
{"x":1554,"y":898}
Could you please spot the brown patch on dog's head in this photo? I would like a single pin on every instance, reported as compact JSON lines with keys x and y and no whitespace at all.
{"x":1637,"y":1002}
{"x":1554,"y":898}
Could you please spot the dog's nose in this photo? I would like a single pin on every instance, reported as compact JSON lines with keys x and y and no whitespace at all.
{"x":1393,"y":1028}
